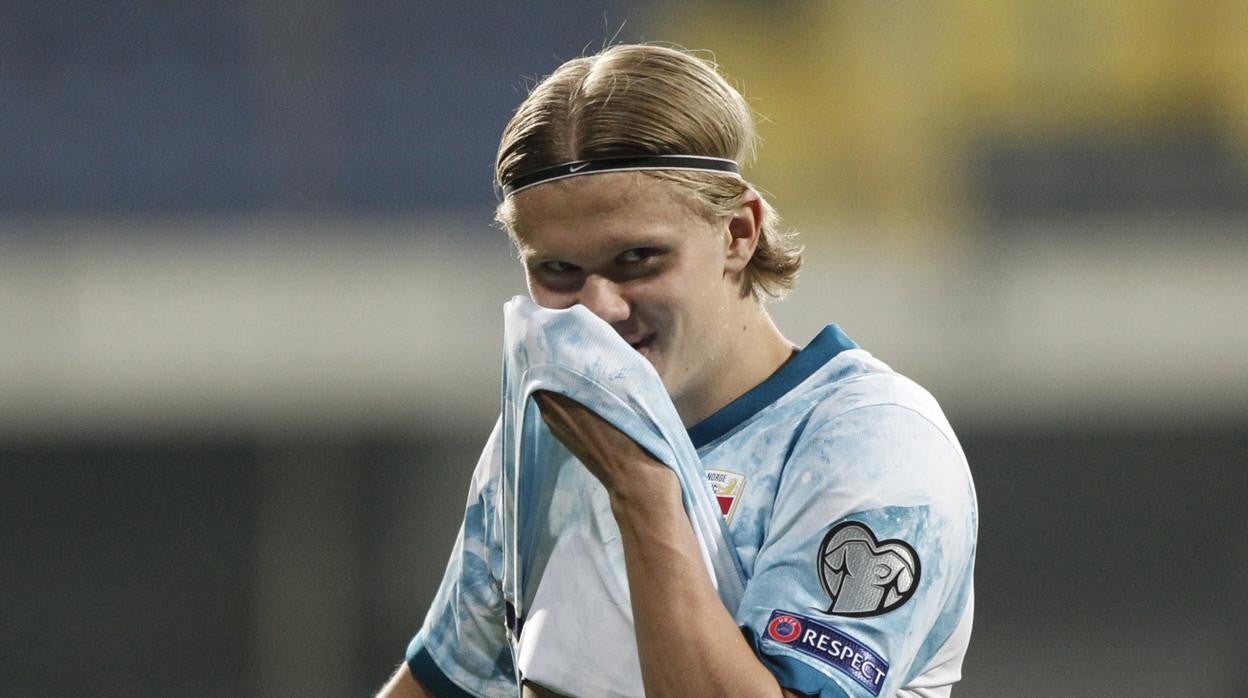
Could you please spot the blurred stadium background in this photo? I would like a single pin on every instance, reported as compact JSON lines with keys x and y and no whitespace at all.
{"x":250,"y":291}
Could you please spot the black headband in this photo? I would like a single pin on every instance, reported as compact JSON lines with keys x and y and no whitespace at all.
{"x":577,"y":168}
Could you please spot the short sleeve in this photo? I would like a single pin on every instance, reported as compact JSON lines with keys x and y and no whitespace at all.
{"x":864,"y":576}
{"x":462,"y":648}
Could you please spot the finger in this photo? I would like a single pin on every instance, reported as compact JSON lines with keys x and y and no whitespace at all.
{"x":554,"y":415}
{"x":550,"y":409}
{"x":562,"y":408}
{"x":547,"y":398}
{"x":552,"y":401}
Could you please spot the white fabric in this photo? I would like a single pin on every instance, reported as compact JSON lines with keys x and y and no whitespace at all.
{"x":564,"y":567}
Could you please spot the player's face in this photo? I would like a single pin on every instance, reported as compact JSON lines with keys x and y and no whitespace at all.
{"x":627,"y":248}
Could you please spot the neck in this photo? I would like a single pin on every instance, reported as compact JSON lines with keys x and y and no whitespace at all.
{"x":754,"y":349}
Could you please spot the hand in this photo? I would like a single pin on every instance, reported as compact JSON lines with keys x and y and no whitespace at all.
{"x":614,"y":458}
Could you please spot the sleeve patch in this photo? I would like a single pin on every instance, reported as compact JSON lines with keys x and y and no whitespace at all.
{"x":830,"y":646}
{"x":864,"y":576}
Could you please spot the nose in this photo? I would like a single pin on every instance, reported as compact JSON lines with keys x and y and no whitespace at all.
{"x":603,"y":298}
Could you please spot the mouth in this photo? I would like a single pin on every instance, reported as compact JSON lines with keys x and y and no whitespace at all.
{"x":644,"y":346}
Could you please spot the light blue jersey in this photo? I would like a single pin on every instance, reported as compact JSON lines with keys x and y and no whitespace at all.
{"x":845,"y":551}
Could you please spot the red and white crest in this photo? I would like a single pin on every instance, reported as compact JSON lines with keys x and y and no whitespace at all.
{"x":727,"y":487}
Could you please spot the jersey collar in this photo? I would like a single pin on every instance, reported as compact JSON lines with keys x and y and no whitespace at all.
{"x":827,"y":344}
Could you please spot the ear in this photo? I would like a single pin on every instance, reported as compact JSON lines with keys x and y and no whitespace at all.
{"x":744,"y":228}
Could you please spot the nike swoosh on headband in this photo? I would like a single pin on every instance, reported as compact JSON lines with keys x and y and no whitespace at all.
{"x":576,"y":168}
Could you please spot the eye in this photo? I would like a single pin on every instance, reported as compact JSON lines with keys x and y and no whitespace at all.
{"x":557,"y":267}
{"x":637,"y":255}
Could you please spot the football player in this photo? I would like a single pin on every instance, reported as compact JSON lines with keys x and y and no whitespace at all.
{"x":847,"y":497}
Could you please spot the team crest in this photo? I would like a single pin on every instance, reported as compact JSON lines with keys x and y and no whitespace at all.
{"x":864,"y":576}
{"x":727,"y":487}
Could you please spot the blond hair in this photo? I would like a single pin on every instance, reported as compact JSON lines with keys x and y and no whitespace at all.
{"x":633,"y":99}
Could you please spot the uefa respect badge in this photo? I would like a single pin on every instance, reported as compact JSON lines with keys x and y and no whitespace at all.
{"x":830,"y":646}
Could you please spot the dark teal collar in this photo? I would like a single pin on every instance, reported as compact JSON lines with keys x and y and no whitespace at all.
{"x":830,"y":342}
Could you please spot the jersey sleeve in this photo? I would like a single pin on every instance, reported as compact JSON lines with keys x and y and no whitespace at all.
{"x":462,"y":648}
{"x":864,"y":577}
